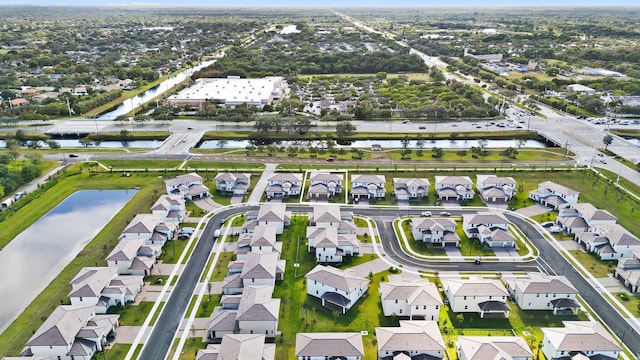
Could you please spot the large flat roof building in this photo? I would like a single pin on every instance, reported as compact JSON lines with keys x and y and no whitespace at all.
{"x":231,"y":91}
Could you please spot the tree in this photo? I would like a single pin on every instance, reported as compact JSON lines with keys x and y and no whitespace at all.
{"x":437,"y":152}
{"x":345,"y":128}
{"x":607,"y":140}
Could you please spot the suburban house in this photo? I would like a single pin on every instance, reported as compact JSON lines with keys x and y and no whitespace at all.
{"x":262,"y":240}
{"x":336,"y":288}
{"x":331,"y":216}
{"x":262,"y":269}
{"x":495,"y":189}
{"x":103,"y":288}
{"x":232,"y":284}
{"x":368,"y":186}
{"x":436,"y":231}
{"x":543,"y":292}
{"x":239,"y":346}
{"x":273,"y":215}
{"x":71,"y":332}
{"x":610,"y":242}
{"x":171,"y":207}
{"x":234,"y":183}
{"x":493,"y":347}
{"x":132,"y":257}
{"x":329,"y":246}
{"x":410,"y":188}
{"x":628,"y":271}
{"x":281,"y":185}
{"x":486,"y":297}
{"x":222,"y":322}
{"x":588,"y":338}
{"x":415,"y":298}
{"x":324,"y":185}
{"x":583,"y":217}
{"x":417,"y":339}
{"x":333,"y":345}
{"x":189,"y":186}
{"x":554,"y":195}
{"x":454,"y":188}
{"x":152,"y":228}
{"x":258,"y":312}
{"x":490,"y":227}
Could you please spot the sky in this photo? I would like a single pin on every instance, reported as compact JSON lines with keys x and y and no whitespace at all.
{"x":325,"y":3}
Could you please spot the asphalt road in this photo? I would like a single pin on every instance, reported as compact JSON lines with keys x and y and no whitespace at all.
{"x":157,"y":346}
{"x":166,"y":326}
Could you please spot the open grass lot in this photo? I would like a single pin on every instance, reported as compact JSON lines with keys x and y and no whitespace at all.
{"x":134,"y":315}
{"x":172,"y":251}
{"x":206,"y":305}
{"x":631,"y":302}
{"x":220,"y":270}
{"x":116,"y":352}
{"x":128,"y":165}
{"x":191,"y":347}
{"x":18,"y":333}
{"x":598,"y":268}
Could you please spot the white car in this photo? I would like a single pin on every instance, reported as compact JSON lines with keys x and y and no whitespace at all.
{"x":426,"y":213}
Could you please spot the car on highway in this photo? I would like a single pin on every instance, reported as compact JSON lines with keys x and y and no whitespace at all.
{"x":547,"y":224}
{"x":478,"y":260}
{"x":406,"y":121}
{"x":478,"y":127}
{"x":422,"y":128}
{"x":189,"y":128}
{"x":445,"y":213}
{"x":603,"y":160}
{"x":73,"y":155}
{"x":426,"y":213}
{"x":600,"y":155}
{"x":330,"y":159}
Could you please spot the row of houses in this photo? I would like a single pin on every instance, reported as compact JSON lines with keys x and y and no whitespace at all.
{"x":248,"y":313}
{"x":420,"y":301}
{"x":79,"y":330}
{"x":489,"y":227}
{"x":326,"y":185}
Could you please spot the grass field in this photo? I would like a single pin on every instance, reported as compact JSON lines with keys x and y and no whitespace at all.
{"x":12,"y":340}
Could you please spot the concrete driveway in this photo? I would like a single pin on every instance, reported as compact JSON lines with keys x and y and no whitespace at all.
{"x":532,"y":210}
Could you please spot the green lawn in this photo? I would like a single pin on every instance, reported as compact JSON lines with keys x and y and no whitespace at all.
{"x":156,"y":279}
{"x":206,"y":305}
{"x":12,"y":340}
{"x":116,"y":352}
{"x":598,"y":268}
{"x":160,"y":163}
{"x":221,"y":266}
{"x":302,"y":313}
{"x":191,"y":347}
{"x":135,"y":315}
{"x":631,"y":302}
{"x":472,"y":247}
{"x":173,"y":249}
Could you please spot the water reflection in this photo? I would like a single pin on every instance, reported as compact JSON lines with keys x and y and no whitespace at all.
{"x":38,"y":254}
{"x":385,"y":144}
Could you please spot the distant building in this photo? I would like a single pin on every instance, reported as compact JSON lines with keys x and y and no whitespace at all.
{"x":231,"y":92}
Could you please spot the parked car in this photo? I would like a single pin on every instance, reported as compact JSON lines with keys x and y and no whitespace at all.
{"x":445,"y":213}
{"x":426,"y":213}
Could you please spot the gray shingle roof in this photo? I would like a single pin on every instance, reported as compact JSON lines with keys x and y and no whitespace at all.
{"x":329,"y":344}
{"x":62,"y":326}
{"x":336,"y":278}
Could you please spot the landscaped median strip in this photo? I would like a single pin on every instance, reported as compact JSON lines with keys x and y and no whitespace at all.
{"x":152,"y":314}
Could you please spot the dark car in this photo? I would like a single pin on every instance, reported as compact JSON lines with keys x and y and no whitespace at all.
{"x":73,"y":155}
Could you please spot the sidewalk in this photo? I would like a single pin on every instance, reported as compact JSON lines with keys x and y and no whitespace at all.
{"x":261,"y":186}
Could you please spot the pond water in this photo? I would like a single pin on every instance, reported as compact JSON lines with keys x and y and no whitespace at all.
{"x":385,"y":144}
{"x":37,"y":255}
